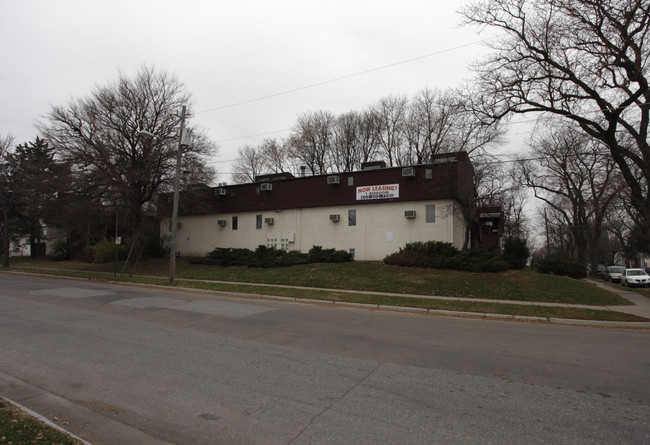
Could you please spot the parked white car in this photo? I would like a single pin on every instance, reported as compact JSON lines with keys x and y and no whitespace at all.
{"x":635,"y":277}
{"x":614,"y":273}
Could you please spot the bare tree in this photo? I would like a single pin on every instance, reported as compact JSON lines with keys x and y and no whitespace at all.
{"x":271,"y":156}
{"x":574,"y":175}
{"x":249,"y":164}
{"x":367,"y":136}
{"x":390,"y":114}
{"x":497,"y":182}
{"x":430,"y":125}
{"x":345,"y":151}
{"x":582,"y":60}
{"x":620,"y":227}
{"x":559,"y":239}
{"x":6,"y":144}
{"x":311,"y":141}
{"x":275,"y":155}
{"x":113,"y":162}
{"x":473,"y":134}
{"x":491,"y":180}
{"x":441,"y":122}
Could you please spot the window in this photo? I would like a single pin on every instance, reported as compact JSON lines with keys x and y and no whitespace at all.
{"x":352,"y":252}
{"x":258,"y":222}
{"x":428,"y":174}
{"x":350,"y":181}
{"x":352,"y":217}
{"x":234,"y":222}
{"x":431,"y":213}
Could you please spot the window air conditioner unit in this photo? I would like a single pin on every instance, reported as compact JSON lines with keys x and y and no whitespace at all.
{"x":409,"y":213}
{"x":269,"y":220}
{"x":266,"y":187}
{"x":220,"y":191}
{"x":408,"y":171}
{"x":333,"y":179}
{"x":222,"y":222}
{"x":335,"y":217}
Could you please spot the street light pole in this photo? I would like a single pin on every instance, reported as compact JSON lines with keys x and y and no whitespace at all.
{"x":177,"y":185}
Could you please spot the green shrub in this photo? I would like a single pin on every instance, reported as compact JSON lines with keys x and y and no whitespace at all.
{"x":433,"y":254}
{"x":265,"y":256}
{"x":560,"y":267}
{"x":104,"y":251}
{"x":62,"y":250}
{"x":439,"y":255}
{"x":290,"y":258}
{"x":222,"y":256}
{"x":319,"y":255}
{"x":478,"y":261}
{"x":516,"y":253}
{"x":262,"y":257}
{"x":272,"y":257}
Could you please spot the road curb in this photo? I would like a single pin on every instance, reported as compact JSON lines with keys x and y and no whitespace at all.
{"x":45,"y":420}
{"x":404,"y":309}
{"x":95,"y":426}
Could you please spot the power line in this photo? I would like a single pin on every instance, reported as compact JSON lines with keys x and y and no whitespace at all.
{"x":504,"y":161}
{"x":254,"y":135}
{"x":336,"y":79}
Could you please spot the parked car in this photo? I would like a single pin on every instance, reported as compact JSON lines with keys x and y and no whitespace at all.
{"x":635,"y":277}
{"x":614,"y":273}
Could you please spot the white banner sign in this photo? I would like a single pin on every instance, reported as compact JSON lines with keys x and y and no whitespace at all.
{"x":385,"y":191}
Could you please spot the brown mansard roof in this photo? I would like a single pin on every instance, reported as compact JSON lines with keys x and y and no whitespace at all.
{"x":451,"y":178}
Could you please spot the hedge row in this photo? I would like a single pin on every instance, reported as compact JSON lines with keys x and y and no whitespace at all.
{"x":439,"y":255}
{"x":562,"y":267}
{"x":271,"y":257}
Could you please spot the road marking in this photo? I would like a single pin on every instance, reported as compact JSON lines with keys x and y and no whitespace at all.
{"x":201,"y":306}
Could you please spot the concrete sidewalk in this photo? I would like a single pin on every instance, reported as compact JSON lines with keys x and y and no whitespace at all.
{"x":640,"y":305}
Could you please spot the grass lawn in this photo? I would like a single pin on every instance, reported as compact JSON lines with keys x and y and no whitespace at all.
{"x":645,"y":291}
{"x":377,"y":278}
{"x":17,"y":427}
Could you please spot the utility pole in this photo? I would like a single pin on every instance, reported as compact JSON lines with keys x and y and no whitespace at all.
{"x":177,"y":186}
{"x":117,"y":245}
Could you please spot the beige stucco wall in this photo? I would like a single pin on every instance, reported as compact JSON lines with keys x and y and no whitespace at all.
{"x":381,"y":229}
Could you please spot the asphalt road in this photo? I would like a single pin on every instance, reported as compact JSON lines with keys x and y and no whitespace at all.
{"x":117,"y":364}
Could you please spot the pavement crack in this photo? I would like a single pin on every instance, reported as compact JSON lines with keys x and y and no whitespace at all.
{"x":329,"y":406}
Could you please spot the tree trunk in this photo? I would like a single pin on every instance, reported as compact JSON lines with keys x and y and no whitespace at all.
{"x":5,"y":240}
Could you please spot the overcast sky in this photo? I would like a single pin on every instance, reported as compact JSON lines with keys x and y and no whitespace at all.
{"x":231,"y":52}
